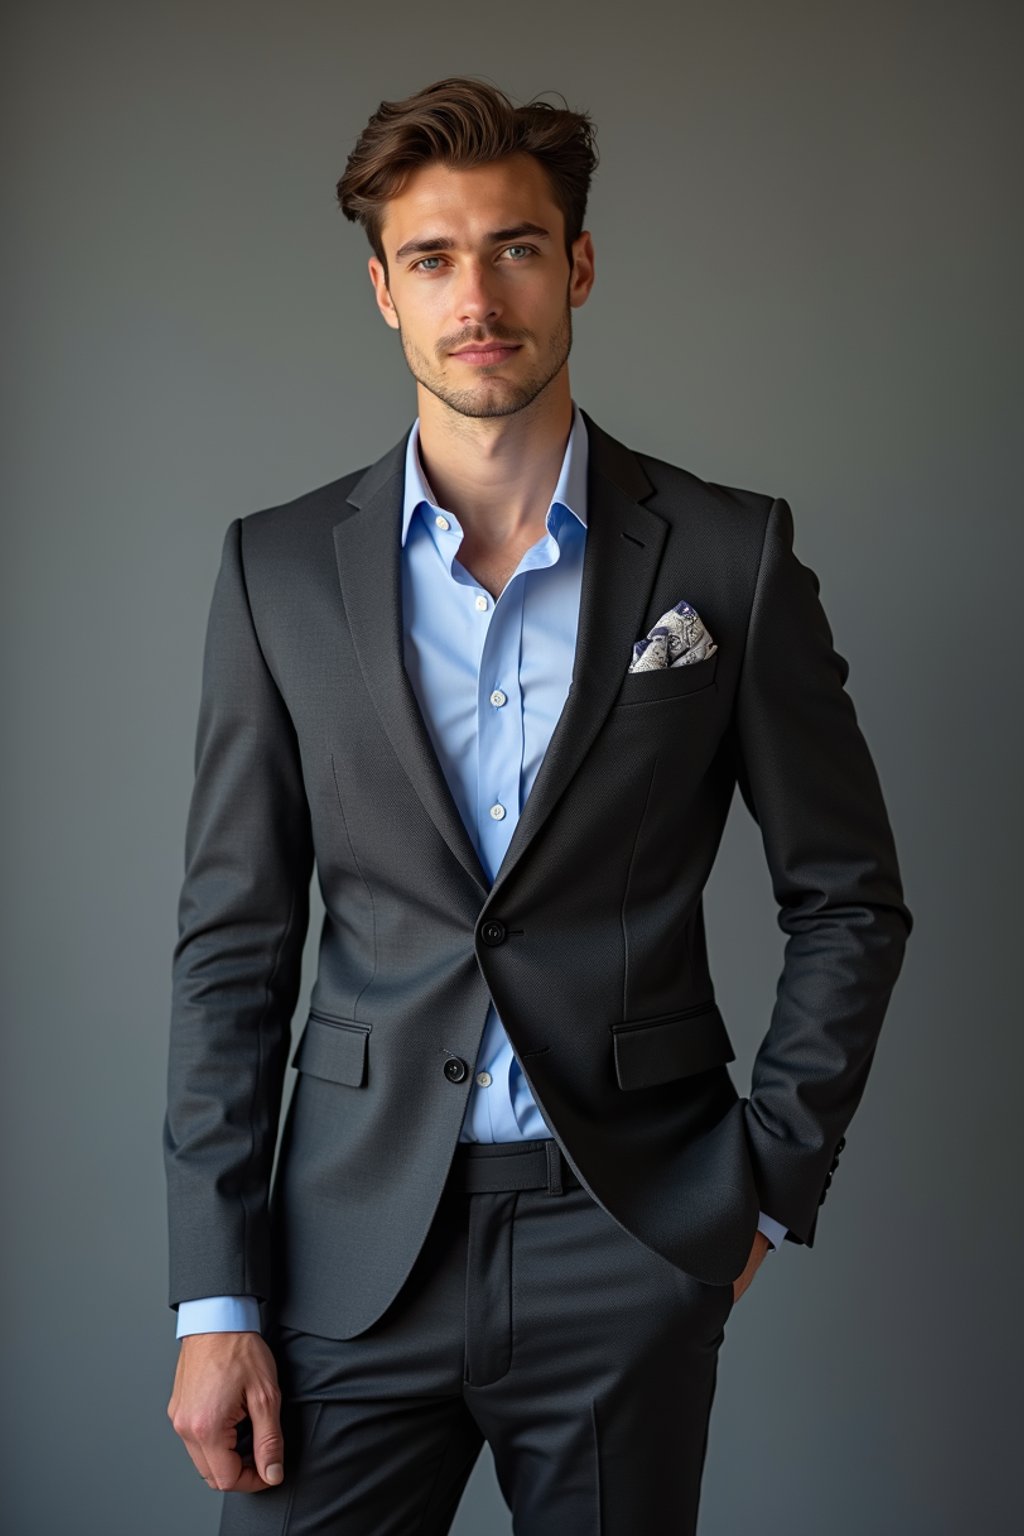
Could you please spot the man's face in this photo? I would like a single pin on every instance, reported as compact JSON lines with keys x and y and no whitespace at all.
{"x":477,"y":256}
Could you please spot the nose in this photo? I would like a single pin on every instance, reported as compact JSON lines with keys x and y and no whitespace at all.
{"x":475,"y":299}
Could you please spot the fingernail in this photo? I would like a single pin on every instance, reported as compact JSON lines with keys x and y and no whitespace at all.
{"x":275,"y":1472}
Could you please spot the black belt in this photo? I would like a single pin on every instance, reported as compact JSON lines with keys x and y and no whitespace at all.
{"x":479,"y":1166}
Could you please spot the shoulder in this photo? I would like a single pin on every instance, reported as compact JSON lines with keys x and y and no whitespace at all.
{"x":680,"y":488}
{"x":677,"y":492}
{"x":292,"y":523}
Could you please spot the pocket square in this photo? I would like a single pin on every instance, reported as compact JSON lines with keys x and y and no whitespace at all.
{"x":678,"y":638}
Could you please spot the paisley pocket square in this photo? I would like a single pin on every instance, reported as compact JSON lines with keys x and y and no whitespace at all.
{"x":678,"y":638}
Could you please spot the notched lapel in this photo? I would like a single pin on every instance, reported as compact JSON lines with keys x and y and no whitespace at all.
{"x":624,"y":545}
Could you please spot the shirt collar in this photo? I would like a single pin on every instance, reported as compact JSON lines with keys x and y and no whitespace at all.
{"x":570,"y":491}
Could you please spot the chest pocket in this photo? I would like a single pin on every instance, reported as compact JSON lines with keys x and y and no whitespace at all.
{"x":668,"y":682}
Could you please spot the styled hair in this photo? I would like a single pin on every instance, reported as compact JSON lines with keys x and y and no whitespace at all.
{"x":460,"y":121}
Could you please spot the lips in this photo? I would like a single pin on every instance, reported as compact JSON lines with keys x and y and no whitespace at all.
{"x":495,"y":352}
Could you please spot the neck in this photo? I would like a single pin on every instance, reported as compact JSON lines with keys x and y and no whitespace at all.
{"x":496,"y":474}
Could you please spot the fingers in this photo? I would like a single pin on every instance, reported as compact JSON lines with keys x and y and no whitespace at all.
{"x":221,"y":1467}
{"x":211,"y":1448}
{"x":264,"y":1406}
{"x":200,"y":1463}
{"x":216,"y":1445}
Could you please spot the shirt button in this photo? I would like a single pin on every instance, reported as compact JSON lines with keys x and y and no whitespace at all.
{"x":497,"y":813}
{"x":484,"y":1079}
{"x":481,"y":602}
{"x":442,"y":522}
{"x":499,"y":697}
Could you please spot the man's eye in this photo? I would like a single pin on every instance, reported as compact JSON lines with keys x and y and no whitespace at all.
{"x":419,"y":265}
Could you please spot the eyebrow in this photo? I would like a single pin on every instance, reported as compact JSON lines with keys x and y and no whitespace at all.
{"x":444,"y":243}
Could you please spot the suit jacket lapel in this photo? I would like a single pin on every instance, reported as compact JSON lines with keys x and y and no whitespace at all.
{"x":623,"y":548}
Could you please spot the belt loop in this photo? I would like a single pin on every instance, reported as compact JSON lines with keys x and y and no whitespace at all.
{"x":553,"y":1152}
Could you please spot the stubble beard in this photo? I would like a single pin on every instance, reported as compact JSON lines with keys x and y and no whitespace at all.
{"x":505,"y":396}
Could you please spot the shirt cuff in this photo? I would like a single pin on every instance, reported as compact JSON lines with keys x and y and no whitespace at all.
{"x":218,"y":1314}
{"x":773,"y":1230}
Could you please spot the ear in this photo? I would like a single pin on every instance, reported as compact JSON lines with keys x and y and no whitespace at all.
{"x":380,"y":289}
{"x":581,"y":279}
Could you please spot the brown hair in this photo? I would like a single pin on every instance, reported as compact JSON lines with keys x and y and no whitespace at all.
{"x":461,"y":122}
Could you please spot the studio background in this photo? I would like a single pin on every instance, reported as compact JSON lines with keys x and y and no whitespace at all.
{"x":808,"y":254}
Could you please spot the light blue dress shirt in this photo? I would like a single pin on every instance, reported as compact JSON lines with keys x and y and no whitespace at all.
{"x":491,"y":676}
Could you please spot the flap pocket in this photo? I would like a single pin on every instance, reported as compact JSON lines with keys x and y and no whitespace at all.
{"x":334,"y":1049}
{"x":675,"y":1045}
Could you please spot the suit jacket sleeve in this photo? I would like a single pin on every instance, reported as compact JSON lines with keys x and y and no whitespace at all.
{"x":807,"y":777}
{"x":242,"y":920}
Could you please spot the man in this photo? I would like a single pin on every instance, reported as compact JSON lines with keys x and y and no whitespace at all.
{"x":499,"y":688}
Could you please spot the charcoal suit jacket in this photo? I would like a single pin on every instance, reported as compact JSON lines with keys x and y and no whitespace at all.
{"x":312,"y":755}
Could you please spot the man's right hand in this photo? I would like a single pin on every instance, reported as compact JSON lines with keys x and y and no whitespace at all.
{"x":221,"y":1379}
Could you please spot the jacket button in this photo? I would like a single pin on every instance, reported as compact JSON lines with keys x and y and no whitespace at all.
{"x":841,"y":1145}
{"x":455,"y":1069}
{"x":493,"y":932}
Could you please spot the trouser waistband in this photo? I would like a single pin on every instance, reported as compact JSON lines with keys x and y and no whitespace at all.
{"x":479,"y":1166}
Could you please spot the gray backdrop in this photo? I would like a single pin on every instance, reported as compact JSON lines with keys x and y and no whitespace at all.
{"x":809,"y":262}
